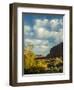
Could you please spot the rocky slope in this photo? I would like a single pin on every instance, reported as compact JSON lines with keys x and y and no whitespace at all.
{"x":56,"y":51}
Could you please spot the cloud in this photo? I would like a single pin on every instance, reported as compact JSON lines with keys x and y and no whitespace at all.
{"x":61,"y":21}
{"x":59,"y":38}
{"x":53,"y":23}
{"x":36,"y":41}
{"x":54,"y":30}
{"x":44,"y":34}
{"x":27,"y":28}
{"x":28,"y":31}
{"x":41,"y":22}
{"x":40,"y":46}
{"x":38,"y":22}
{"x":56,"y":24}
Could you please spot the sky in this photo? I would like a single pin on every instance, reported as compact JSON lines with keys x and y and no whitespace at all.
{"x":43,"y":31}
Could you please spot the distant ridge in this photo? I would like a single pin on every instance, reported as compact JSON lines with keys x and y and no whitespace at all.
{"x":56,"y":51}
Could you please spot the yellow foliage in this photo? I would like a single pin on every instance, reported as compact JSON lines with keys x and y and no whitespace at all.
{"x":58,"y":61}
{"x":30,"y":62}
{"x":29,"y":57}
{"x":42,"y":64}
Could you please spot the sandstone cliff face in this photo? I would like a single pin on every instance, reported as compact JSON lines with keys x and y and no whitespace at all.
{"x":56,"y":51}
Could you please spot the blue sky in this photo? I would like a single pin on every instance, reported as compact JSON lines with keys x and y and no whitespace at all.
{"x":43,"y":31}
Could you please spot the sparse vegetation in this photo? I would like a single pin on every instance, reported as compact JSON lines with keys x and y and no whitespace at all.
{"x":33,"y":66}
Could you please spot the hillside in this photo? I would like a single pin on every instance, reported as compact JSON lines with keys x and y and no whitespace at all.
{"x":56,"y":51}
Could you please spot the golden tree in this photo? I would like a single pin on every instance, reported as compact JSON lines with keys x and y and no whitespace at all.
{"x":29,"y":57}
{"x":29,"y":60}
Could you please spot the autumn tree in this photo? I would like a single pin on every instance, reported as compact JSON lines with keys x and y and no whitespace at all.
{"x":29,"y":57}
{"x":30,"y":64}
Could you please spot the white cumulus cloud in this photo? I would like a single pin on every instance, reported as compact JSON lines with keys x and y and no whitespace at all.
{"x":42,"y":32}
{"x":54,"y":23}
{"x":27,"y":28}
{"x":45,"y":34}
{"x":40,"y":46}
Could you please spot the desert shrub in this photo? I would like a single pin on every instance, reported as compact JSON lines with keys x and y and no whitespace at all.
{"x":31,"y":65}
{"x":55,"y":65}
